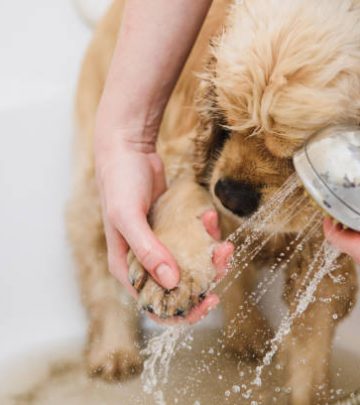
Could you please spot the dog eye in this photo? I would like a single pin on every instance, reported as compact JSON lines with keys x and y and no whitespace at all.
{"x":220,"y":136}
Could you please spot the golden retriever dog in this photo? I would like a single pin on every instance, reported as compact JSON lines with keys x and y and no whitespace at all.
{"x":263,"y":76}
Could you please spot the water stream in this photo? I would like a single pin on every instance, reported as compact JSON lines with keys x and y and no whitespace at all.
{"x":161,"y":349}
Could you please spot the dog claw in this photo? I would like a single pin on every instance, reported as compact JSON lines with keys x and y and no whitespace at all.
{"x":202,"y":296}
{"x":139,"y":283}
{"x":137,"y":275}
{"x":179,"y":312}
{"x":149,"y":308}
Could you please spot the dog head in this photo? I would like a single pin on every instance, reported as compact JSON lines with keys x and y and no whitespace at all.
{"x":279,"y":72}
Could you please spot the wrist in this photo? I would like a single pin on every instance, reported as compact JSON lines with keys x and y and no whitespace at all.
{"x":126,"y":127}
{"x":110,"y":141}
{"x":136,"y":110}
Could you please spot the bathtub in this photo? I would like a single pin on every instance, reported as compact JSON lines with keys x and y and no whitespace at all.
{"x":42,"y":44}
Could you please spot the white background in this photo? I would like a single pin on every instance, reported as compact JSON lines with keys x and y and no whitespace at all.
{"x":42,"y":43}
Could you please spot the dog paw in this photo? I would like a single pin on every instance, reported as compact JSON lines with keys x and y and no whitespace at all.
{"x":191,"y":290}
{"x":112,"y":351}
{"x":114,"y":364}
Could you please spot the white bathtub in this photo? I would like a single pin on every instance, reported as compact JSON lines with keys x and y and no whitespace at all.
{"x":41,"y":43}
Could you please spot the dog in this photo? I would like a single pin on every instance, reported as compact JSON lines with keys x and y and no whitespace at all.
{"x":263,"y":76}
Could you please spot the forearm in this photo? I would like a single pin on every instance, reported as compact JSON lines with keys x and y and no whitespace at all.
{"x":154,"y":42}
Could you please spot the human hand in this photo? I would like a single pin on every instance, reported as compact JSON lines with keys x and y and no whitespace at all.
{"x":347,"y":241}
{"x":220,"y":258}
{"x":130,"y":178}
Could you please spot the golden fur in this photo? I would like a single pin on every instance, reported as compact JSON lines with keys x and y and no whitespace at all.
{"x":275,"y":72}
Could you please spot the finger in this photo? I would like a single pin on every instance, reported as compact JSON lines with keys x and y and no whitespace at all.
{"x":346,"y":241}
{"x":201,"y":310}
{"x":159,"y":186}
{"x":195,"y":315}
{"x":330,"y":228}
{"x":221,"y":258}
{"x":151,"y":253}
{"x":117,"y":250}
{"x":210,"y":220}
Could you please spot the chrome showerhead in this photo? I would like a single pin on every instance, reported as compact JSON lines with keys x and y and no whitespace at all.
{"x":329,"y":167}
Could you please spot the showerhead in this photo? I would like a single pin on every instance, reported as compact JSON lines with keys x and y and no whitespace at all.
{"x":329,"y":167}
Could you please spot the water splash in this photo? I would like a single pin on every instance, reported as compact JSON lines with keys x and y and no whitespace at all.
{"x":254,"y":235}
{"x":159,"y":353}
{"x":281,"y":263}
{"x":326,"y":260}
{"x":264,"y":215}
{"x":254,"y":230}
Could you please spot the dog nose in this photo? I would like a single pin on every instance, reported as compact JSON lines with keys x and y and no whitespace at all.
{"x":241,"y":198}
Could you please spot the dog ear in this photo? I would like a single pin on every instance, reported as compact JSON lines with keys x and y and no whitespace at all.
{"x":210,"y":139}
{"x":203,"y":140}
{"x":211,"y":132}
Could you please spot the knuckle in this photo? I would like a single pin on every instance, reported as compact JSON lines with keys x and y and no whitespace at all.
{"x":144,"y":254}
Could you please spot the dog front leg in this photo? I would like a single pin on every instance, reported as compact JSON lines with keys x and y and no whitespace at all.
{"x":307,"y":355}
{"x":112,"y":343}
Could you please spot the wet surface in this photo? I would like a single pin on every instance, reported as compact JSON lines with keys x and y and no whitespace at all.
{"x":197,"y":376}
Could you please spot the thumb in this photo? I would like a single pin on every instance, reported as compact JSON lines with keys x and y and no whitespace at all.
{"x":151,"y":253}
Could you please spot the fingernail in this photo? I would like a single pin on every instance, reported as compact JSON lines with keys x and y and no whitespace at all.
{"x":166,"y":276}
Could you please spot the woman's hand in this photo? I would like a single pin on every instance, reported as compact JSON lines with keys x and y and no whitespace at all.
{"x":221,"y":255}
{"x":130,"y":178}
{"x":347,"y":241}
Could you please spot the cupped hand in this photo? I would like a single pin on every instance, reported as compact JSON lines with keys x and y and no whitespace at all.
{"x":221,"y":255}
{"x":130,"y":178}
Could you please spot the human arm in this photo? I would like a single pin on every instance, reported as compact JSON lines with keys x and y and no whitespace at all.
{"x":154,"y":41}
